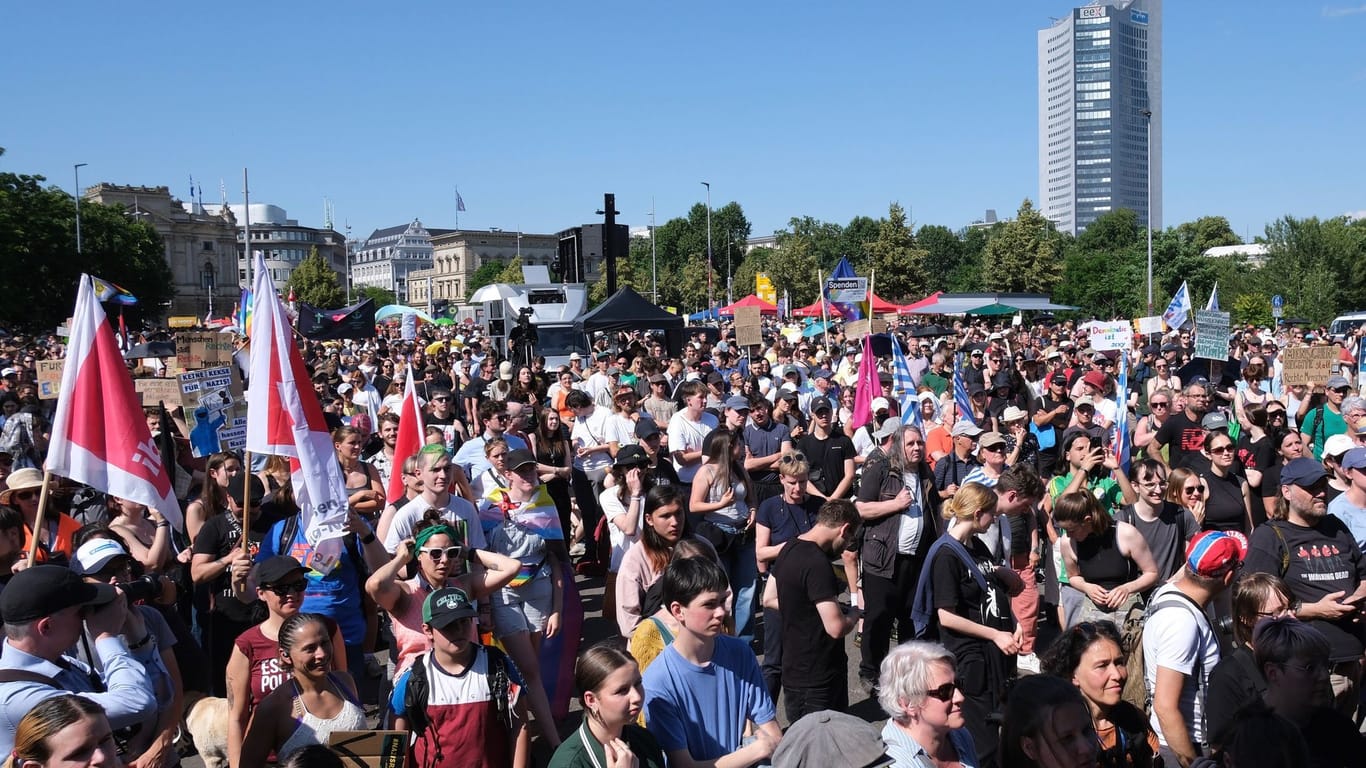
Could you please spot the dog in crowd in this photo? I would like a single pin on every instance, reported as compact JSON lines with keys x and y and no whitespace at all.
{"x":206,"y":721}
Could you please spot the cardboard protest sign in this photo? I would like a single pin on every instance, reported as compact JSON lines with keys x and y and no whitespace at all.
{"x":50,"y":378}
{"x":1307,"y":365}
{"x":370,"y":749}
{"x":1211,"y":334}
{"x":1109,"y":336}
{"x":857,"y":329}
{"x":202,"y":350}
{"x":748,"y":328}
{"x":1151,"y":324}
{"x":215,"y":411}
{"x":153,"y":391}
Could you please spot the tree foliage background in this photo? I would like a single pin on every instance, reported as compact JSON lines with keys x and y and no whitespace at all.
{"x":314,"y":282}
{"x":39,"y":266}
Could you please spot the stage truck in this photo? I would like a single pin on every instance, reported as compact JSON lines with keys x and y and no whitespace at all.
{"x":534,"y":318}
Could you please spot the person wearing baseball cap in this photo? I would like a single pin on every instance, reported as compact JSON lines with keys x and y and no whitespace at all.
{"x":1318,"y":558}
{"x":1325,"y":418}
{"x":1180,"y":646}
{"x":46,"y":608}
{"x":1350,"y":505}
{"x":952,"y":470}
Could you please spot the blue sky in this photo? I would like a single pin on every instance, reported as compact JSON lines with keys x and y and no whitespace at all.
{"x":535,"y":109}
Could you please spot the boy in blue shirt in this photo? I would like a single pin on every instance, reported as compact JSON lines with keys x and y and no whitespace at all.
{"x":704,"y":686}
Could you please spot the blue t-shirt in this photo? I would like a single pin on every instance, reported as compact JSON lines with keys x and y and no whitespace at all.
{"x":784,"y":521}
{"x":704,"y":709}
{"x":1352,"y":515}
{"x":336,"y":595}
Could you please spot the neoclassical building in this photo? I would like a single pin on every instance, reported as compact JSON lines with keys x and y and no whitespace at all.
{"x":458,"y":254}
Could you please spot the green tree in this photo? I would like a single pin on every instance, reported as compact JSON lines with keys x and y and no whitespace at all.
{"x":823,"y":241}
{"x":1316,"y":265}
{"x":313,"y":282}
{"x":511,"y":272}
{"x":1207,"y":232}
{"x":39,"y":266}
{"x":692,"y":285}
{"x":757,"y":261}
{"x":630,"y":273}
{"x":381,"y":296}
{"x":793,"y":268}
{"x":899,"y":262}
{"x":1026,"y":257}
{"x":943,"y":254}
{"x":856,"y":238}
{"x":486,"y":274}
{"x":1254,"y":308}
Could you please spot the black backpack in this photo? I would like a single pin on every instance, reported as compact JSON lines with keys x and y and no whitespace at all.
{"x":416,"y":695}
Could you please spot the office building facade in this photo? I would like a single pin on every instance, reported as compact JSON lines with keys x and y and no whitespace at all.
{"x":1100,"y":114}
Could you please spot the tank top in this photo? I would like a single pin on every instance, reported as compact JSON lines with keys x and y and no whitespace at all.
{"x":317,"y":730}
{"x":263,"y":661}
{"x":1101,"y":562}
{"x":736,"y":513}
{"x":1224,"y":509}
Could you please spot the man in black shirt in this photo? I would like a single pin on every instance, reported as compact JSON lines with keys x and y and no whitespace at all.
{"x":1052,"y":417}
{"x":804,"y":587}
{"x":1317,"y":557}
{"x":830,"y":454}
{"x":647,"y":432}
{"x":1181,"y":433}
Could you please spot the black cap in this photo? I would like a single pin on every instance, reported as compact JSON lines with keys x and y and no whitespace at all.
{"x":447,"y":606}
{"x":258,"y":490}
{"x":976,"y":387}
{"x":646,"y":428}
{"x":1058,"y":378}
{"x":884,"y":378}
{"x":819,"y":404}
{"x":274,"y":570}
{"x":520,"y":458}
{"x":46,"y":589}
{"x":631,"y":456}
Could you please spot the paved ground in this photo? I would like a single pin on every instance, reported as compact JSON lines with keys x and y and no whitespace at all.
{"x":597,"y":628}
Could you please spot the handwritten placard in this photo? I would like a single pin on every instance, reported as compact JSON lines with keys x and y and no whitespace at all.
{"x":1211,"y":334}
{"x":153,"y":391}
{"x":50,"y":378}
{"x":202,"y":350}
{"x":1307,"y":365}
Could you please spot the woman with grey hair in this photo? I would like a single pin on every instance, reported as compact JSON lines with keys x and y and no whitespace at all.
{"x":918,"y":689}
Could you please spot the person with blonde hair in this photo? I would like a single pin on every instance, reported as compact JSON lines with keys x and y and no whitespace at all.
{"x":963,"y":598}
{"x":61,"y":731}
{"x":918,"y":689}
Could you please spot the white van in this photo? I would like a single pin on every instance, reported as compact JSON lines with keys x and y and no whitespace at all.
{"x":1343,"y":325}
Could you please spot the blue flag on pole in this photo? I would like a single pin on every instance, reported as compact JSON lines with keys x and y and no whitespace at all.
{"x":960,"y":390}
{"x":1213,"y":304}
{"x":903,"y":388}
{"x":850,"y":310}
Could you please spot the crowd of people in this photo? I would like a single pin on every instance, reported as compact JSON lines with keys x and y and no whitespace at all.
{"x":1192,"y":542}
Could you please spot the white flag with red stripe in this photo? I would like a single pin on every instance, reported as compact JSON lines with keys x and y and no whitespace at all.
{"x":410,"y":433}
{"x":99,"y":434}
{"x":284,"y":418}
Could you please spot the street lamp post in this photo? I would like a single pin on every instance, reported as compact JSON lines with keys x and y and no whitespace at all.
{"x":77,"y":169}
{"x":654,"y":261}
{"x":1148,"y":116}
{"x":206,"y":276}
{"x":730,"y":241}
{"x":710,"y":301}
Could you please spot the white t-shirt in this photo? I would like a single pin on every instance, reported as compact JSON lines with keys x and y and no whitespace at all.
{"x":1179,"y":637}
{"x":589,"y":433}
{"x":912,"y":521}
{"x":687,"y":435}
{"x":611,"y":509}
{"x":457,"y":509}
{"x":621,"y":429}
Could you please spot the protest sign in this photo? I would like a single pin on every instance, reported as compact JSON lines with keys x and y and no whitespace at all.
{"x":201,"y":350}
{"x":748,"y":328}
{"x":1109,"y":336}
{"x":49,"y":378}
{"x":1307,"y":365}
{"x":846,"y":290}
{"x":1151,"y":324}
{"x":857,"y":329}
{"x":215,"y":412}
{"x":1211,"y":334}
{"x":153,"y":391}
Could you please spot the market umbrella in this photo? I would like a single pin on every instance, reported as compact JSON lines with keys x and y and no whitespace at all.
{"x":929,"y":331}
{"x":814,"y":329}
{"x":395,"y":310}
{"x":881,"y":344}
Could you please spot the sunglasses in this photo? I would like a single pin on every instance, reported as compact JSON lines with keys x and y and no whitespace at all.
{"x":943,"y":692}
{"x":439,"y":553}
{"x":1196,"y":491}
{"x":1158,"y":403}
{"x":999,"y":448}
{"x":25,"y":495}
{"x":1222,"y":449}
{"x":792,"y":456}
{"x":1341,"y":390}
{"x":441,"y":399}
{"x":285,"y":590}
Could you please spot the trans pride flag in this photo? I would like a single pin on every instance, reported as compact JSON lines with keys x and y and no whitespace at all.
{"x":538,"y":516}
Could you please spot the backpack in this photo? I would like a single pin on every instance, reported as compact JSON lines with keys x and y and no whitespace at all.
{"x":416,"y":695}
{"x":1135,"y":686}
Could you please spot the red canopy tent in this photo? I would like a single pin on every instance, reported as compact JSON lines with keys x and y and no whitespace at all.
{"x":883,"y":307}
{"x":913,"y":306}
{"x":880,"y":307}
{"x":751,"y":301}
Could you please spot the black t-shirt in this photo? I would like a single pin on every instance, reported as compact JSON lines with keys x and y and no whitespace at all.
{"x":220,"y":535}
{"x":1319,"y":561}
{"x":826,"y":458}
{"x":954,"y":588}
{"x":1182,"y":436}
{"x":1225,"y":509}
{"x":1059,"y":422}
{"x":811,"y":657}
{"x":1259,"y":455}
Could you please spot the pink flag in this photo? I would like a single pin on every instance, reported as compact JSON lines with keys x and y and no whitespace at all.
{"x":410,"y":433}
{"x":99,"y":435}
{"x":868,"y":387}
{"x":284,"y":418}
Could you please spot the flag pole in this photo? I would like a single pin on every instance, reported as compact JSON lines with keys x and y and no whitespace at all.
{"x":38,"y":521}
{"x":825,"y":315}
{"x":246,"y":503}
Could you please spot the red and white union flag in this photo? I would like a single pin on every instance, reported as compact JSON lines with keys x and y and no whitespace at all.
{"x":410,"y":429}
{"x":99,"y":435}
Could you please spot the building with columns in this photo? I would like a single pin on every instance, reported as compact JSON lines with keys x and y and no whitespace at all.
{"x":458,"y":254}
{"x":201,"y":245}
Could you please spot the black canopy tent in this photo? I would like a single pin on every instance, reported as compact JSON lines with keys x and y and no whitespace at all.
{"x":627,"y":310}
